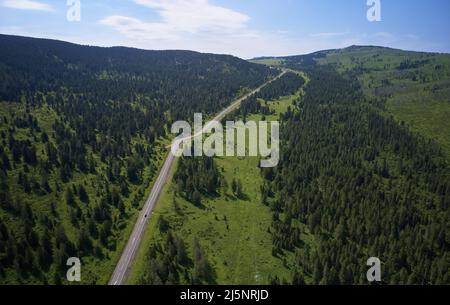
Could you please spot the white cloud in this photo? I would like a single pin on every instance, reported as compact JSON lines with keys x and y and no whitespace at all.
{"x":196,"y":16}
{"x":137,"y":29}
{"x":26,"y":5}
{"x":202,"y":26}
{"x":192,"y":24}
{"x":180,"y":18}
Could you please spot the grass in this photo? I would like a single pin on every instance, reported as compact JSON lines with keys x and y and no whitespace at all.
{"x":268,"y":62}
{"x":233,"y":232}
{"x":428,"y":118}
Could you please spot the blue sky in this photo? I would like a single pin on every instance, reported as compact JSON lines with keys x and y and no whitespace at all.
{"x":245,"y":28}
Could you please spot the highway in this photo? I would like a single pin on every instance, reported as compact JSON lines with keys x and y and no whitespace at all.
{"x":122,"y":269}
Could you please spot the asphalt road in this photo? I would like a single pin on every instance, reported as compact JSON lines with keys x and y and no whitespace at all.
{"x":120,"y":274}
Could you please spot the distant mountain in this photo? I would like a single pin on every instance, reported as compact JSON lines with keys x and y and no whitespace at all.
{"x":350,"y":49}
{"x":29,"y":65}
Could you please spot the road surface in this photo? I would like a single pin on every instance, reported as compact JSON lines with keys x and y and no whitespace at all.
{"x":120,"y":274}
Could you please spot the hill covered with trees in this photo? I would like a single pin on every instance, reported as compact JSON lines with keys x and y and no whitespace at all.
{"x":82,"y":135}
{"x":363,"y":181}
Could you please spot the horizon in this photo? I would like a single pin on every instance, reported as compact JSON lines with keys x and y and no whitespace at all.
{"x":200,"y":145}
{"x":222,"y":54}
{"x":254,"y":28}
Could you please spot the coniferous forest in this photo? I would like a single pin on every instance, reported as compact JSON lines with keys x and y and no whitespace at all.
{"x":358,"y":181}
{"x":81,"y":131}
{"x":84,"y":133}
{"x":363,"y":183}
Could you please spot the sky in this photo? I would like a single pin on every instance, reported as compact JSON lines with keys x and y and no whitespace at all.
{"x":244,"y":28}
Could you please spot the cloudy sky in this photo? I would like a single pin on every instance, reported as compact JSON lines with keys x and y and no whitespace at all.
{"x":245,"y":28}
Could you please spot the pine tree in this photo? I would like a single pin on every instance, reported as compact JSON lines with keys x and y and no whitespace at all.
{"x":70,"y":198}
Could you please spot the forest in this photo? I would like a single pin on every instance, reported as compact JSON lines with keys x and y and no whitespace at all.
{"x":363,"y":183}
{"x":171,"y":262}
{"x":196,"y":184}
{"x":82,"y":131}
{"x":287,"y":85}
{"x":353,"y":182}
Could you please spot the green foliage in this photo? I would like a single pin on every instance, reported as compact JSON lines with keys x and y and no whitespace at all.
{"x":197,"y":176}
{"x":363,"y":183}
{"x":412,"y":86}
{"x":287,"y":85}
{"x":81,"y":137}
{"x":168,"y":263}
{"x":224,"y":219}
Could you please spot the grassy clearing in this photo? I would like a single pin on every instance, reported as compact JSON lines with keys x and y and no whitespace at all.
{"x":275,"y":62}
{"x":428,"y":118}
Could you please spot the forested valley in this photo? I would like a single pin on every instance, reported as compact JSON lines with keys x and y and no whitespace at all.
{"x":353,"y":176}
{"x":82,"y":136}
{"x":176,"y":257}
{"x":84,"y":131}
{"x":353,"y":183}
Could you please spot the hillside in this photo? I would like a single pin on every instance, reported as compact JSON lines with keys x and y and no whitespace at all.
{"x":83,"y":132}
{"x":414,"y":86}
{"x":365,"y":166}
